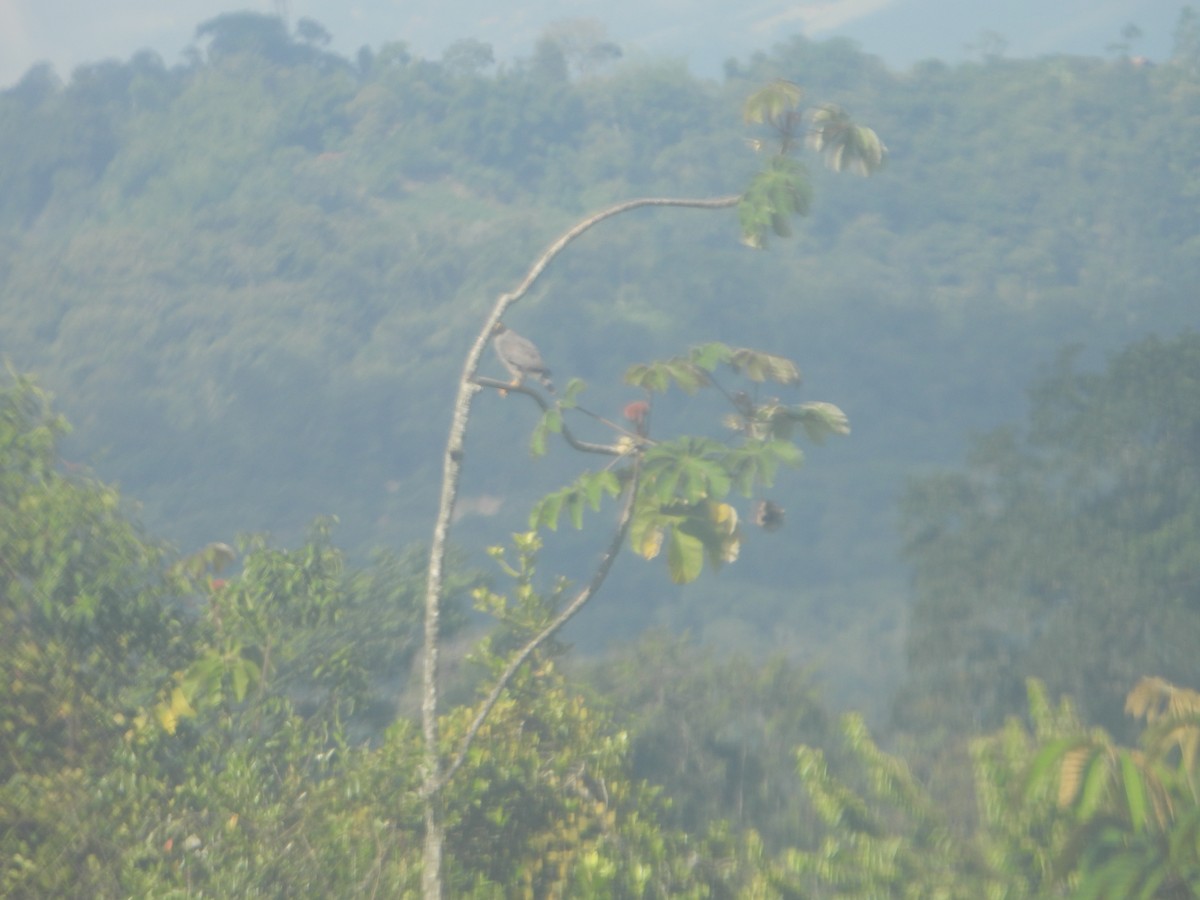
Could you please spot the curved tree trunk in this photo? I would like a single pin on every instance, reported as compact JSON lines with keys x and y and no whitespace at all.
{"x":432,"y":778}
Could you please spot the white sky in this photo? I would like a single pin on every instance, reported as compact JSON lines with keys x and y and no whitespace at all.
{"x":70,"y":32}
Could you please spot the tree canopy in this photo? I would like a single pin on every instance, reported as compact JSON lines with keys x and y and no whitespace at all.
{"x":1065,"y":550}
{"x":250,"y":277}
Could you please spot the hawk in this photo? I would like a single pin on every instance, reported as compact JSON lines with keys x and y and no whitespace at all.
{"x":520,"y":356}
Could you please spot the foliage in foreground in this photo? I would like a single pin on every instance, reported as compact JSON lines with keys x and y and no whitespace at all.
{"x":240,"y":775}
{"x":168,"y":732}
{"x":1063,"y":810}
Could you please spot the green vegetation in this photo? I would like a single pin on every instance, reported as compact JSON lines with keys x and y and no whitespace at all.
{"x":213,"y":742}
{"x":1068,"y":551}
{"x":673,"y":489}
{"x":250,"y":279}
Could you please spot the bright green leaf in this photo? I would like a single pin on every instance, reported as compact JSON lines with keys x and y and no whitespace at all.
{"x":685,"y":556}
{"x":547,"y":510}
{"x":1135,"y":791}
{"x":1095,"y":786}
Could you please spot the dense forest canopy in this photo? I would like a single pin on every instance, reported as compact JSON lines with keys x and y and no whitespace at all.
{"x":248,"y":277}
{"x":249,"y":280}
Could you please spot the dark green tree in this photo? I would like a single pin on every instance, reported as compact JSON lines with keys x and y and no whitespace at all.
{"x":718,"y":735}
{"x":88,"y":623}
{"x":86,"y":620}
{"x":1066,"y":551}
{"x":253,"y":34}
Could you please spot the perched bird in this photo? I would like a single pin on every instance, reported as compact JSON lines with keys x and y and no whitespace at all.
{"x":519,"y":356}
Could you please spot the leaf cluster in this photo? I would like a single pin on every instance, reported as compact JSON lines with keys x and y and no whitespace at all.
{"x":780,"y":189}
{"x":250,"y":793}
{"x":680,"y":511}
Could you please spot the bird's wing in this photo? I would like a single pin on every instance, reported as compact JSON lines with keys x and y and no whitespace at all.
{"x":520,"y":352}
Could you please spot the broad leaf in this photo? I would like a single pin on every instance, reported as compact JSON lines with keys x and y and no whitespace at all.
{"x":771,"y":104}
{"x":778,"y":192}
{"x":546,"y":511}
{"x":573,"y":389}
{"x":596,"y":485}
{"x":820,"y":420}
{"x":659,"y":376}
{"x":760,"y":367}
{"x":1135,"y":791}
{"x":1049,"y":763}
{"x":589,"y":488}
{"x":685,"y":556}
{"x":549,"y":423}
{"x":709,"y":356}
{"x":242,"y":673}
{"x":687,"y":470}
{"x":844,"y":144}
{"x":1096,"y":782}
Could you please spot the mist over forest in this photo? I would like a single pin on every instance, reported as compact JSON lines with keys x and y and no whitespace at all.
{"x":248,"y":282}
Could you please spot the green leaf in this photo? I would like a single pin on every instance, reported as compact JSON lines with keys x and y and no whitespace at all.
{"x":1121,"y":876}
{"x":646,"y":536}
{"x":241,"y":674}
{"x":687,"y":470}
{"x":779,"y":191}
{"x":785,"y":452}
{"x":537,"y":440}
{"x":573,"y":389}
{"x":596,"y":485}
{"x":770,"y":104}
{"x":707,"y":479}
{"x":821,"y":419}
{"x":759,"y":366}
{"x":844,"y":144}
{"x":745,"y":466}
{"x":549,"y":423}
{"x":1045,"y":765}
{"x":647,"y":377}
{"x":202,"y":681}
{"x":547,"y":510}
{"x":574,"y":506}
{"x":1135,"y":791}
{"x":685,"y":556}
{"x":658,"y":376}
{"x":589,"y":488}
{"x":1095,"y":786}
{"x":709,"y":356}
{"x":662,"y":480}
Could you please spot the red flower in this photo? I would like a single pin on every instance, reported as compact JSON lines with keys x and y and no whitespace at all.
{"x":636,"y":411}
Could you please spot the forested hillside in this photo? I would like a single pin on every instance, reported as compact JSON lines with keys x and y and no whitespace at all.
{"x":249,"y":281}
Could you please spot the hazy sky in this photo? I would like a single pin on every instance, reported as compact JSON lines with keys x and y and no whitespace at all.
{"x":69,"y":32}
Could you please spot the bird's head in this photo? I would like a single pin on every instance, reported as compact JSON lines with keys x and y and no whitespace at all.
{"x":499,"y":328}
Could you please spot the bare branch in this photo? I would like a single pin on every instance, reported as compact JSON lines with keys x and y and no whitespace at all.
{"x":620,"y":429}
{"x":568,"y":236}
{"x":550,"y":630}
{"x":568,"y":436}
